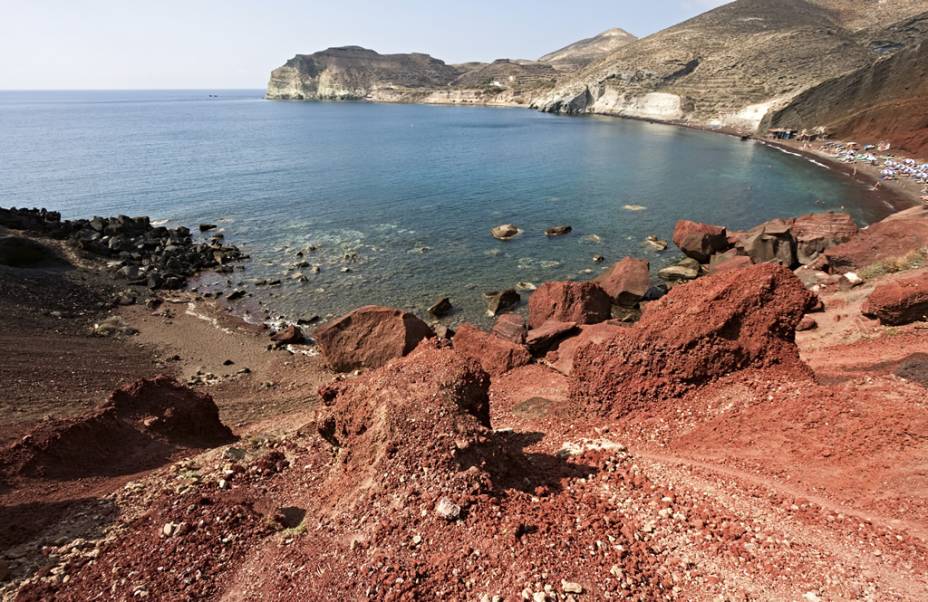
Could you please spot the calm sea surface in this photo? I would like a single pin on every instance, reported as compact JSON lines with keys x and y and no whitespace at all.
{"x":409,"y":191}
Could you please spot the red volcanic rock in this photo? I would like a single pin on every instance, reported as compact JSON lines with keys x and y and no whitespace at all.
{"x":727,"y":261}
{"x":496,"y":355}
{"x":695,"y":334}
{"x":562,"y":360}
{"x":580,"y":302}
{"x":548,"y":334}
{"x":699,"y":241}
{"x":369,"y":337}
{"x":807,"y":323}
{"x":416,"y":415}
{"x":627,"y":281}
{"x":817,"y":232}
{"x":889,"y":240}
{"x":140,"y":426}
{"x":291,"y":335}
{"x":162,"y":405}
{"x":900,"y":302}
{"x":511,"y":327}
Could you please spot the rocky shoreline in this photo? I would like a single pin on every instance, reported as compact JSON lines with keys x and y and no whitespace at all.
{"x":657,"y":421}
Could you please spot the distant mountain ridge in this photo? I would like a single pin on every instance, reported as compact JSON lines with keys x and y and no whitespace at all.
{"x":742,"y":66}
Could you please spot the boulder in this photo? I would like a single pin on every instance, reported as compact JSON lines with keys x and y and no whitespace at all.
{"x":699,"y":241}
{"x":504,"y":232}
{"x":901,"y":302}
{"x":656,"y":243}
{"x":500,"y":301}
{"x":769,"y":242}
{"x":369,"y":337}
{"x":441,"y":308}
{"x":562,"y":359}
{"x":579,"y":302}
{"x":558,"y":231}
{"x":627,"y":281}
{"x":678,"y":273}
{"x":511,"y":327}
{"x":496,"y":355}
{"x":696,"y":333}
{"x":817,"y":232}
{"x":887,"y":242}
{"x":727,"y":261}
{"x":807,"y":323}
{"x":291,"y":335}
{"x":548,"y":335}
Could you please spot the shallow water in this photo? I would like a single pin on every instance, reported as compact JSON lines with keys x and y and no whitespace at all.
{"x":410,"y":190}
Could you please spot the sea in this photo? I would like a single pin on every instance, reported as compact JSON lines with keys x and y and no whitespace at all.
{"x":394,"y":203}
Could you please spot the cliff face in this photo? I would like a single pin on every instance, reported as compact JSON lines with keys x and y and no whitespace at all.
{"x":582,"y":53}
{"x":730,"y":66}
{"x":355,"y":73}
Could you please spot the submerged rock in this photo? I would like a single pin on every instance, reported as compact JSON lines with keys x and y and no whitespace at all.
{"x":369,"y":337}
{"x":500,"y":301}
{"x":558,"y":231}
{"x":504,"y":232}
{"x":441,"y":308}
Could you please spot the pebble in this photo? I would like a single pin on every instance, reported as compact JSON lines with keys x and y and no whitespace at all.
{"x":570,"y":587}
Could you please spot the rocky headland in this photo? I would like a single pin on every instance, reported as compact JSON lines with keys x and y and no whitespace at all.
{"x":751,"y":429}
{"x":851,"y":68}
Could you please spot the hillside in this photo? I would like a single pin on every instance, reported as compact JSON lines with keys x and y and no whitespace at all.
{"x":582,"y":53}
{"x":728,"y":67}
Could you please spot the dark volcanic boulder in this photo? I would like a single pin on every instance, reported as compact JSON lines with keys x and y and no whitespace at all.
{"x":496,"y":355}
{"x":900,"y":302}
{"x":500,"y":301}
{"x":698,"y":332}
{"x":699,"y":241}
{"x":769,"y":242}
{"x":579,"y":302}
{"x":627,"y":281}
{"x":369,"y":337}
{"x":817,"y":232}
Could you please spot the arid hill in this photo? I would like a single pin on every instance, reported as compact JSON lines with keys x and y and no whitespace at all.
{"x":582,"y":53}
{"x":730,"y":66}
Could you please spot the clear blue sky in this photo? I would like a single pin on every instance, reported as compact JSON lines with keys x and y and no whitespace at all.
{"x":106,"y":44}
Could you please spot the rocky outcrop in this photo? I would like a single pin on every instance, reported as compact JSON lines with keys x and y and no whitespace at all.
{"x":140,"y":426}
{"x":369,"y":337}
{"x":588,"y":50}
{"x":627,"y":281}
{"x":882,"y":245}
{"x":577,"y":302}
{"x":495,"y":354}
{"x":695,"y":334}
{"x":700,"y":241}
{"x":900,"y":302}
{"x":730,"y":66}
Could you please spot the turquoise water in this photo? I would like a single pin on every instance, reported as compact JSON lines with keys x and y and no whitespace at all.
{"x":410,"y":190}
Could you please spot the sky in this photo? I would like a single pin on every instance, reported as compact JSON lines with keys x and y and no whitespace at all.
{"x":222,"y":44}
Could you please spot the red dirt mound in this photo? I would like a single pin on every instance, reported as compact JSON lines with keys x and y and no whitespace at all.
{"x":162,"y":405}
{"x":141,"y":426}
{"x":698,"y":332}
{"x":423,"y":412}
